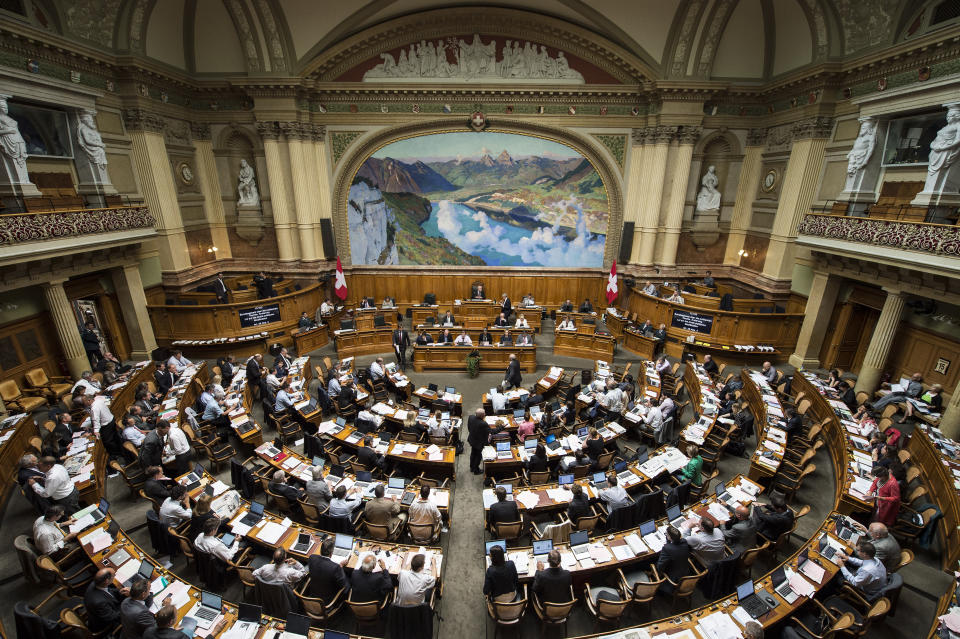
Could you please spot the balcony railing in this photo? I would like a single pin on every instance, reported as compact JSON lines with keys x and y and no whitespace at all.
{"x":18,"y":228}
{"x":936,"y":239}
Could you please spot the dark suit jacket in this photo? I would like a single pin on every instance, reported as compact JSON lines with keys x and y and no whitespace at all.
{"x":227,"y":371}
{"x":794,"y":426}
{"x":346,"y":396}
{"x":103,"y":607}
{"x":673,"y":561}
{"x":566,"y":308}
{"x":505,"y":307}
{"x":537,"y":464}
{"x":369,"y":586}
{"x":711,"y":367}
{"x":253,"y":371}
{"x":500,"y":579}
{"x":552,"y":585}
{"x":164,"y":633}
{"x":401,"y":339}
{"x":326,"y":577}
{"x":25,"y":474}
{"x":136,"y":618}
{"x":586,"y":307}
{"x":506,"y":340}
{"x":513,"y":373}
{"x":660,"y":334}
{"x":285,"y":490}
{"x":164,"y":380}
{"x":479,"y":431}
{"x":772,"y":524}
{"x":503,"y":511}
{"x":151,"y":450}
{"x":155,"y":489}
{"x":578,"y":508}
{"x":219,"y":287}
{"x":368,"y":457}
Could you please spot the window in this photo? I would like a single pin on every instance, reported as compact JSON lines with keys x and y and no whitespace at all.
{"x":908,"y":139}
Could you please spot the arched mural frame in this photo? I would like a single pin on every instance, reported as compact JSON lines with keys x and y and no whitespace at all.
{"x":594,"y":154}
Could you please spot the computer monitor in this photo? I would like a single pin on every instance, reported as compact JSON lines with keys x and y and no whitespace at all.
{"x":445,"y":416}
{"x":647,"y":527}
{"x":104,"y":506}
{"x":198,"y":469}
{"x":721,"y":489}
{"x":506,"y":487}
{"x":211,"y":600}
{"x":744,"y":590}
{"x":337,"y":470}
{"x":779,"y":576}
{"x":565,"y":480}
{"x":250,"y":612}
{"x":519,"y":413}
{"x":599,"y":478}
{"x":496,"y":542}
{"x":423,"y":412}
{"x":335,"y":634}
{"x":341,"y":421}
{"x":343,"y":541}
{"x":579,"y":537}
{"x":643,"y":457}
{"x":450,"y":389}
{"x":803,"y":557}
{"x":530,"y":444}
{"x":673,"y":512}
{"x":256,"y":508}
{"x":582,"y":431}
{"x":542,"y":547}
{"x":364,"y":475}
{"x":298,"y":624}
{"x":432,"y":387}
{"x":503,"y":446}
{"x":396,"y":482}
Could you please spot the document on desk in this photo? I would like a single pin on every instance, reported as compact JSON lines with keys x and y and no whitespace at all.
{"x":683,"y":634}
{"x":622,"y":553}
{"x":271,"y":532}
{"x":599,"y":553}
{"x":127,"y":570}
{"x":179,"y":593}
{"x":559,"y":494}
{"x":812,"y":570}
{"x":488,"y":497}
{"x":801,"y":586}
{"x":719,"y":625}
{"x":528,"y":498}
{"x":741,"y":616}
{"x":635,"y":543}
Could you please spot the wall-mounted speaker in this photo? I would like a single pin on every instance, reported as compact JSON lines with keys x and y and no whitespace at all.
{"x":626,"y":243}
{"x":326,"y":234}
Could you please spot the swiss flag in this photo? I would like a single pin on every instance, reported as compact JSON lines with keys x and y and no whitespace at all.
{"x":340,"y":284}
{"x":612,"y":283}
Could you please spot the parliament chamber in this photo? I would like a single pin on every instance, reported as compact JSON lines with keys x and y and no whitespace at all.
{"x":422,"y":319}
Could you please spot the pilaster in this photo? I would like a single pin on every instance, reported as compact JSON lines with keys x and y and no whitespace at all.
{"x":652,"y":194}
{"x":210,"y":186}
{"x":820,"y":303}
{"x":883,"y":334}
{"x":133,"y":304}
{"x":284,"y":227}
{"x":303,"y":193}
{"x":65,"y":324}
{"x":680,"y":170}
{"x":950,"y":419}
{"x":746,"y":192}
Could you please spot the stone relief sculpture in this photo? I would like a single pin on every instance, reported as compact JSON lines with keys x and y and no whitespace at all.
{"x":12,"y":143}
{"x":863,"y":146}
{"x":944,"y":148}
{"x":473,"y":60}
{"x":89,"y":139}
{"x":247,"y":187}
{"x":708,"y":199}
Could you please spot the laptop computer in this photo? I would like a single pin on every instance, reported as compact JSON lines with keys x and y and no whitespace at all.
{"x":496,"y":542}
{"x":207,"y":609}
{"x":255,"y":514}
{"x":119,"y":558}
{"x":145,"y":571}
{"x":541,"y":549}
{"x":507,"y":487}
{"x":647,"y":527}
{"x":100,"y":511}
{"x":433,"y":387}
{"x":364,"y":479}
{"x":303,"y":543}
{"x":296,"y":626}
{"x":193,"y":479}
{"x":827,"y":551}
{"x":580,"y":544}
{"x":643,"y":457}
{"x":451,"y":389}
{"x":519,"y":413}
{"x":249,"y":613}
{"x":749,"y":601}
{"x":723,"y":496}
{"x":318,"y":462}
{"x":227,"y":539}
{"x":530,"y":444}
{"x":552,"y":442}
{"x":674,"y":516}
{"x":599,"y":480}
{"x":395,"y":486}
{"x":342,"y":546}
{"x":336,"y":472}
{"x":582,"y":432}
{"x":566,"y":480}
{"x":620,"y":466}
{"x":335,"y":634}
{"x":408,"y":497}
{"x":503,"y":450}
{"x":781,"y":585}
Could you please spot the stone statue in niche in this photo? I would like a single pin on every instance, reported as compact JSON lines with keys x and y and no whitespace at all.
{"x":12,"y":144}
{"x":709,"y":197}
{"x":944,"y":149}
{"x":90,"y":141}
{"x":863,"y":146}
{"x":247,"y":187}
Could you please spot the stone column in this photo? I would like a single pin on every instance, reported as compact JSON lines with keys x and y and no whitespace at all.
{"x":879,"y":348}
{"x":325,"y":207}
{"x":670,"y":239}
{"x":133,"y":304}
{"x":820,"y":303}
{"x":746,"y":193}
{"x":652,"y":194}
{"x":152,"y":165}
{"x":950,"y":419}
{"x":799,"y":186}
{"x":297,"y":136}
{"x":65,"y":324}
{"x":633,"y":204}
{"x":288,"y":247}
{"x":206,"y":165}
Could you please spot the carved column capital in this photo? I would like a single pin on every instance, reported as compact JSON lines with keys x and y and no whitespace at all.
{"x":664,"y":134}
{"x":689,"y":134}
{"x":639,"y":135}
{"x":817,"y":127}
{"x":318,"y":132}
{"x":294,"y":130}
{"x":756,"y":137}
{"x":143,"y":120}
{"x":200,"y":131}
{"x":268,"y":130}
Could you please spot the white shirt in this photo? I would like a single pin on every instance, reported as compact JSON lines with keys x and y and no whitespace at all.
{"x":463,"y":340}
{"x":177,"y":443}
{"x":499,"y":401}
{"x":412,"y":586}
{"x":100,"y":414}
{"x":47,"y":536}
{"x":215,"y":547}
{"x":521,"y":323}
{"x":650,"y":289}
{"x":280,"y":575}
{"x":424,"y":511}
{"x":613,"y":400}
{"x":172,"y":513}
{"x":376,"y":370}
{"x":567,"y":325}
{"x":326,"y":308}
{"x":133,"y":435}
{"x":274,"y":382}
{"x":180,"y":364}
{"x":654,"y":418}
{"x":57,"y":484}
{"x":90,"y":387}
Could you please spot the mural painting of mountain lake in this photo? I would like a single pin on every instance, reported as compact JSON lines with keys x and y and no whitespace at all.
{"x":483,"y":199}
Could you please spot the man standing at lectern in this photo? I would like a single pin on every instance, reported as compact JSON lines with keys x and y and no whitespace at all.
{"x":220,"y":289}
{"x":505,"y":306}
{"x":401,"y":342}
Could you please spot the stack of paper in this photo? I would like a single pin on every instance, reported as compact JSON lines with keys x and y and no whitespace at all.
{"x":271,"y":532}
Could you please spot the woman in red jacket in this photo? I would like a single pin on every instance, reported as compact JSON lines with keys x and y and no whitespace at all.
{"x":887,"y":492}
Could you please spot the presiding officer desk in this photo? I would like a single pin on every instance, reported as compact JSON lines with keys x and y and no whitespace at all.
{"x":492,"y":358}
{"x":584,"y":342}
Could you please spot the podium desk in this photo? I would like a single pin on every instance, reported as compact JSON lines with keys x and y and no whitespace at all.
{"x":585,"y":345}
{"x":365,"y":342}
{"x":492,"y":358}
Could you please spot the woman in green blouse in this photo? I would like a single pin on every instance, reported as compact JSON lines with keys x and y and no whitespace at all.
{"x":692,"y":471}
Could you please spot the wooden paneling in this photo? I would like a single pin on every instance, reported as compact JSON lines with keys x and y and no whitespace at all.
{"x":585,"y":345}
{"x":198,"y":241}
{"x":688,"y":253}
{"x":368,"y":342}
{"x":917,"y":349}
{"x":29,"y":343}
{"x":10,"y":453}
{"x":756,"y":248}
{"x":492,"y":358}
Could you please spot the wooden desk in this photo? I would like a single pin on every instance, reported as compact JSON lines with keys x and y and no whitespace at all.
{"x":492,"y":358}
{"x":10,"y":452}
{"x":729,"y":355}
{"x":364,"y":318}
{"x":611,"y":431}
{"x":937,"y":469}
{"x":645,"y":347}
{"x":419,"y":314}
{"x":616,"y":324}
{"x":351,"y":438}
{"x":368,"y":342}
{"x":310,"y":339}
{"x":585,"y":345}
{"x":771,"y":440}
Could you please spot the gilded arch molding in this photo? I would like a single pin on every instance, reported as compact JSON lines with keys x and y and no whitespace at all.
{"x":583,"y":143}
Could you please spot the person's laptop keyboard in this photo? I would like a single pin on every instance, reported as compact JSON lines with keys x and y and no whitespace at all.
{"x":785,"y":591}
{"x":340,"y":553}
{"x":207,"y":614}
{"x":755,"y":606}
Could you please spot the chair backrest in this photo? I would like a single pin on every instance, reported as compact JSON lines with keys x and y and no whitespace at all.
{"x":539,"y":476}
{"x":906,"y":556}
{"x":36,"y":377}
{"x":890,"y":410}
{"x":310,"y":512}
{"x":508,"y":612}
{"x":422,"y":533}
{"x":603,"y":461}
{"x":607,"y":609}
{"x":587,"y":523}
{"x":904,"y":456}
{"x":803,"y":406}
{"x":748,"y":557}
{"x":646,"y":590}
{"x":557,"y":612}
{"x":9,"y":390}
{"x":580,"y":472}
{"x":508,"y":529}
{"x":380,"y":532}
{"x":70,"y":618}
{"x":912,"y":473}
{"x":686,"y":585}
{"x":365,"y":610}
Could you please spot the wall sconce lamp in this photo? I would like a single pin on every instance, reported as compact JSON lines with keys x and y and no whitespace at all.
{"x":743,"y":254}
{"x":212,"y":249}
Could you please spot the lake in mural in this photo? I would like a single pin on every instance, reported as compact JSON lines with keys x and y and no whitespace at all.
{"x":485,"y":199}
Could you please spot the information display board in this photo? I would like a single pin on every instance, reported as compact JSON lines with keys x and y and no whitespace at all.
{"x":258,"y":315}
{"x":696,"y":322}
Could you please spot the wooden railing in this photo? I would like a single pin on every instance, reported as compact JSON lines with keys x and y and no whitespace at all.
{"x":937,"y":239}
{"x":17,"y":228}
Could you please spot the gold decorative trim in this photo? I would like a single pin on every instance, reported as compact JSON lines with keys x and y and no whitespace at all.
{"x":770,"y":181}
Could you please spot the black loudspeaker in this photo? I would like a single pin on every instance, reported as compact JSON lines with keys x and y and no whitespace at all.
{"x":430,"y":299}
{"x":326,"y":234}
{"x":626,"y":243}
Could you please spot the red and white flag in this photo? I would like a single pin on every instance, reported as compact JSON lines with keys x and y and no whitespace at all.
{"x":612,"y":283}
{"x":340,"y":284}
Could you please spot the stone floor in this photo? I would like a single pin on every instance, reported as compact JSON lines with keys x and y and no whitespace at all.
{"x":462,"y":609}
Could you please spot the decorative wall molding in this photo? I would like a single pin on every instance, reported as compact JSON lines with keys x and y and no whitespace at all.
{"x":143,"y":120}
{"x":340,"y":141}
{"x":616,"y":144}
{"x":37,"y":227}
{"x":937,"y":239}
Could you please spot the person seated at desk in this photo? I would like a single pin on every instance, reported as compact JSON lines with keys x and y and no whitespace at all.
{"x":486,"y":339}
{"x":102,"y":601}
{"x":343,"y":505}
{"x":424,"y":338}
{"x":505,"y":306}
{"x":365,"y":303}
{"x":446,"y":337}
{"x":848,"y":396}
{"x":646,"y":329}
{"x":501,"y":320}
{"x":463,"y":339}
{"x":931,"y":400}
{"x":326,"y":308}
{"x":333,"y":386}
{"x":367,"y":585}
{"x":521,"y":322}
{"x":176,"y":508}
{"x":180,"y":363}
{"x":415,"y":585}
{"x":566,"y":307}
{"x":794,"y":425}
{"x":47,"y":534}
{"x":280,"y":485}
{"x":674,"y":559}
{"x":869,"y":574}
{"x":567,"y":324}
{"x":524,"y":339}
{"x":769,"y":372}
{"x":477,"y":292}
{"x":282,"y":571}
{"x":586,"y":306}
{"x":776,"y":518}
{"x":368,"y":457}
{"x":740,"y":531}
{"x":381,"y":511}
{"x":304,"y":323}
{"x":438,"y":427}
{"x":528,"y":300}
{"x":686,"y":287}
{"x":208,"y":542}
{"x":376,"y":370}
{"x":447,"y":320}
{"x":506,"y":339}
{"x":502,"y":510}
{"x":348,"y":394}
{"x":157,"y":486}
{"x":526,"y":427}
{"x":498,"y":401}
{"x":614,"y":496}
{"x":131,"y":432}
{"x":318,"y":490}
{"x":676,"y":298}
{"x":568,"y":463}
{"x":326,"y":576}
{"x":710,"y":366}
{"x":500,"y":583}
{"x":661,"y":333}
{"x":388,"y":302}
{"x":164,"y":377}
{"x":538,"y":462}
{"x":552,"y":585}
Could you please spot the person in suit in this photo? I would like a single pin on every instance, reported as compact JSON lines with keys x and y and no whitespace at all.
{"x":326,"y":576}
{"x":513,"y":377}
{"x":91,"y":343}
{"x":775,"y":519}
{"x":424,"y":338}
{"x":365,"y":302}
{"x":500,"y":581}
{"x":280,"y":486}
{"x":566,"y":307}
{"x":506,"y":339}
{"x":485,"y":338}
{"x":741,"y":531}
{"x":367,"y":585}
{"x":165,"y":378}
{"x":579,"y":505}
{"x":220,"y":289}
{"x":264,"y":286}
{"x":135,"y":615}
{"x":151,"y":450}
{"x":382,"y":511}
{"x":304,"y":323}
{"x":794,"y":424}
{"x":478,"y":292}
{"x":478,"y":436}
{"x":348,"y":394}
{"x":586,"y":307}
{"x":710,"y":366}
{"x":255,"y":371}
{"x":505,"y":306}
{"x":282,"y":362}
{"x":674,"y":559}
{"x":157,"y":485}
{"x":743,"y":417}
{"x":661,"y":333}
{"x":227,"y":368}
{"x":401,"y":342}
{"x":166,"y":626}
{"x":501,"y":321}
{"x":446,"y":337}
{"x":369,"y":457}
{"x":502,"y":511}
{"x":102,"y":600}
{"x":29,"y":469}
{"x":553,"y":583}
{"x":538,"y":461}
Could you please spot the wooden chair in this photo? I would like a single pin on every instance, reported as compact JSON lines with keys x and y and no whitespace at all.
{"x":217,"y":452}
{"x":316,"y":608}
{"x":507,"y":614}
{"x":367,"y":613}
{"x":588,"y":523}
{"x":641,"y":585}
{"x":683,"y":589}
{"x":553,"y":614}
{"x":507,"y":530}
{"x":425,"y":480}
{"x":424,"y":534}
{"x":749,"y":557}
{"x":837,"y":628}
{"x":906,"y":556}
{"x":186,"y":546}
{"x":153,"y":502}
{"x":383,"y":532}
{"x":537,"y":477}
{"x":603,"y":460}
{"x":75,"y":621}
{"x":13,"y":397}
{"x":789,"y":484}
{"x":132,"y":475}
{"x":603,"y":609}
{"x":67,"y":572}
{"x":696,"y":494}
{"x":53,"y":388}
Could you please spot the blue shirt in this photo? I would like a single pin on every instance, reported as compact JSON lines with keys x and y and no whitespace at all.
{"x":333,"y":388}
{"x":870,"y":576}
{"x":283,"y":401}
{"x":212,"y":410}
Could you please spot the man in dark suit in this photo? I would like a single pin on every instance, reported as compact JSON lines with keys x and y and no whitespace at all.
{"x":553,"y":584}
{"x":282,"y":362}
{"x":512,"y":376}
{"x":709,"y":365}
{"x":326,"y":576}
{"x":477,"y":292}
{"x":505,"y":306}
{"x":502,"y":510}
{"x":366,"y":585}
{"x":91,"y":343}
{"x":151,"y":450}
{"x":165,"y":378}
{"x":661,"y":333}
{"x":157,"y":486}
{"x":401,"y":342}
{"x":478,"y":436}
{"x":579,"y":505}
{"x":367,"y":456}
{"x":102,"y":601}
{"x":29,"y":470}
{"x":135,"y":615}
{"x":264,"y":285}
{"x":255,"y":371}
{"x":744,"y":419}
{"x":586,"y":307}
{"x":220,"y":289}
{"x":566,"y":307}
{"x":347,"y":394}
{"x":167,"y":619}
{"x":794,"y":424}
{"x":773,"y":520}
{"x":226,"y":369}
{"x":279,"y":486}
{"x":674,"y":560}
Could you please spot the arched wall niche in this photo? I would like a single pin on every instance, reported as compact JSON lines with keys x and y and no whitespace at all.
{"x":232,"y":144}
{"x":605,"y":168}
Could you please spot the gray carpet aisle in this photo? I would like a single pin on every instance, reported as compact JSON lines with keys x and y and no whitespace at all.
{"x":462,"y":607}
